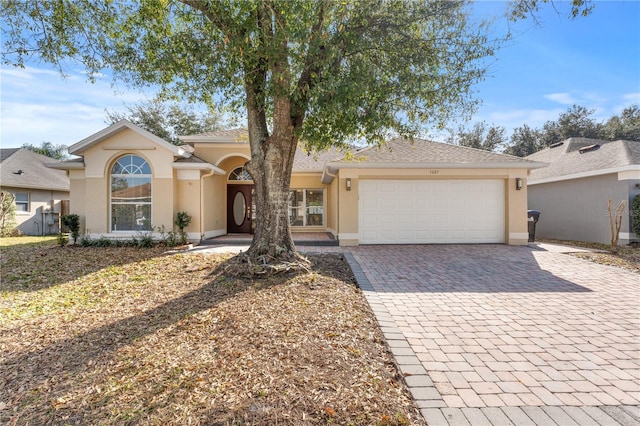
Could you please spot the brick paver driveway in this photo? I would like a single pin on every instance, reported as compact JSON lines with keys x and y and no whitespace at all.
{"x":491,"y":334}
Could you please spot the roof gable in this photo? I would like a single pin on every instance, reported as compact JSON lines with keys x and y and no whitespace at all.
{"x":80,"y":147}
{"x":570,"y":157}
{"x":26,"y":169}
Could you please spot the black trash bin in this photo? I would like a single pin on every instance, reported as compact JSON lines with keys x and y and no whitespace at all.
{"x":532,"y":218}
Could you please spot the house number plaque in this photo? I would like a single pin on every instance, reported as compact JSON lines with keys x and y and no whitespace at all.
{"x":434,"y":172}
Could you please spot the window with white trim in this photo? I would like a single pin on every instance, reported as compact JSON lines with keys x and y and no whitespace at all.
{"x":306,"y":207}
{"x":131,"y":194}
{"x":22,"y":201}
{"x":240,"y":173}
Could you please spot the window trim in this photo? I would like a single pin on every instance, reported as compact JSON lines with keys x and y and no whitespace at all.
{"x":243,"y":171}
{"x":26,"y":203}
{"x":304,"y":207}
{"x":136,"y":175}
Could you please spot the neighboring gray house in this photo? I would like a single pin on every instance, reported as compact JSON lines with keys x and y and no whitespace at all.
{"x":39,"y":190}
{"x":573,"y":191}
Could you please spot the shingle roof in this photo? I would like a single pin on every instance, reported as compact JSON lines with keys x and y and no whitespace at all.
{"x":420,"y":151}
{"x":566,"y":159}
{"x":219,"y":136}
{"x":314,"y":161}
{"x":34,"y":172}
{"x":7,"y":152}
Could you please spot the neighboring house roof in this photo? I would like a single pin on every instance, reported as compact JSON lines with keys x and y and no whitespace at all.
{"x":583,"y":157}
{"x":7,"y":152}
{"x":83,"y":145}
{"x":22,"y":168}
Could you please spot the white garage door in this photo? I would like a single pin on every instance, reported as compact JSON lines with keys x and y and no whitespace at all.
{"x":431,"y":211}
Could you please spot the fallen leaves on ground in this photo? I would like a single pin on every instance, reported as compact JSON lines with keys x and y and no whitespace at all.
{"x":129,"y":336}
{"x":628,"y":257}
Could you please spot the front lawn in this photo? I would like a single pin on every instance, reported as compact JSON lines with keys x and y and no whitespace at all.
{"x":136,"y":336}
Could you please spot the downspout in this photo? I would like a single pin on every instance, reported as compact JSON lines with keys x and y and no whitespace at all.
{"x":211,"y":173}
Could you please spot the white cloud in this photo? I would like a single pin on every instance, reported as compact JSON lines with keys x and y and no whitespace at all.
{"x":632,"y":98}
{"x":561,"y":98}
{"x":38,"y":105}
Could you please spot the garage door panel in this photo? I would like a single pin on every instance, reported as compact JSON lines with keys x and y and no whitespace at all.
{"x":431,"y":211}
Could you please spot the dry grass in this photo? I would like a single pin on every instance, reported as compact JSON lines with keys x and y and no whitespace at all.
{"x":628,"y":257}
{"x":128,"y":336}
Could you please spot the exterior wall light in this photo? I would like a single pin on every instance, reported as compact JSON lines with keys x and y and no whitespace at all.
{"x":348,"y":184}
{"x":518,"y":184}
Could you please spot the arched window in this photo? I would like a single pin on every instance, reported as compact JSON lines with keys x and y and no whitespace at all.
{"x":131,"y":194}
{"x":240,"y":173}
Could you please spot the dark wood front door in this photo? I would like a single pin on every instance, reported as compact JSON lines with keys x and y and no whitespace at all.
{"x":239,"y":209}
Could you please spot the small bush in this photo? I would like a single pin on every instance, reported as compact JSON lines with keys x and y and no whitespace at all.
{"x":62,"y":239}
{"x":145,"y":241}
{"x":173,"y":239}
{"x":7,"y":213}
{"x":182,"y":221}
{"x":72,"y":222}
{"x":635,"y":215}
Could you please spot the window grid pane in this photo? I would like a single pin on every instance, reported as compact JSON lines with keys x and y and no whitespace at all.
{"x":21,"y":201}
{"x":131,"y":194}
{"x":306,"y":207}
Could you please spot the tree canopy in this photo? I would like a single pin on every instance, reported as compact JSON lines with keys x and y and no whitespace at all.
{"x":348,"y":69}
{"x":480,"y":136}
{"x":59,"y":152}
{"x":576,"y":121}
{"x":167,"y":120}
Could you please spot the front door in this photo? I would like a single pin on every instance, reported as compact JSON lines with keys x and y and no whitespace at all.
{"x":239,"y":209}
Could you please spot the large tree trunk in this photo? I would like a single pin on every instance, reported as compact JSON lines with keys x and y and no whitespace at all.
{"x":271,"y":172}
{"x":272,"y":154}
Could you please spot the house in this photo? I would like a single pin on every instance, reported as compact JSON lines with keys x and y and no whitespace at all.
{"x":39,"y":190}
{"x":127,"y":181}
{"x":573,"y":191}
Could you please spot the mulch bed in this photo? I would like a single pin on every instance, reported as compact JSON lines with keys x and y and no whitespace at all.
{"x":128,"y":336}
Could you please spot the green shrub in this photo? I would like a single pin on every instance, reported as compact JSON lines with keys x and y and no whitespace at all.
{"x":72,"y":222}
{"x":182,"y":221}
{"x":7,"y":213}
{"x":145,"y":241}
{"x":635,"y":215}
{"x":63,"y":239}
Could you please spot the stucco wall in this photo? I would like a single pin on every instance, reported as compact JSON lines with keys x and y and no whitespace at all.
{"x":41,"y":201}
{"x":91,"y":195}
{"x":577,"y":209}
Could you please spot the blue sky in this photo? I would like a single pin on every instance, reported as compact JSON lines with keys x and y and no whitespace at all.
{"x":549,"y":66}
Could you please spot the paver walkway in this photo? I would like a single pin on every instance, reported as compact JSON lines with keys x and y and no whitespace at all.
{"x":492,"y":334}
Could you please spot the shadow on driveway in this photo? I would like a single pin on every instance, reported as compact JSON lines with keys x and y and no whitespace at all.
{"x":489,"y":268}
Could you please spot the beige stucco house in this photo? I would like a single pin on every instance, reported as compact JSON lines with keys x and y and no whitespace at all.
{"x":128,"y":181}
{"x":573,"y":191}
{"x":40,"y":192}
